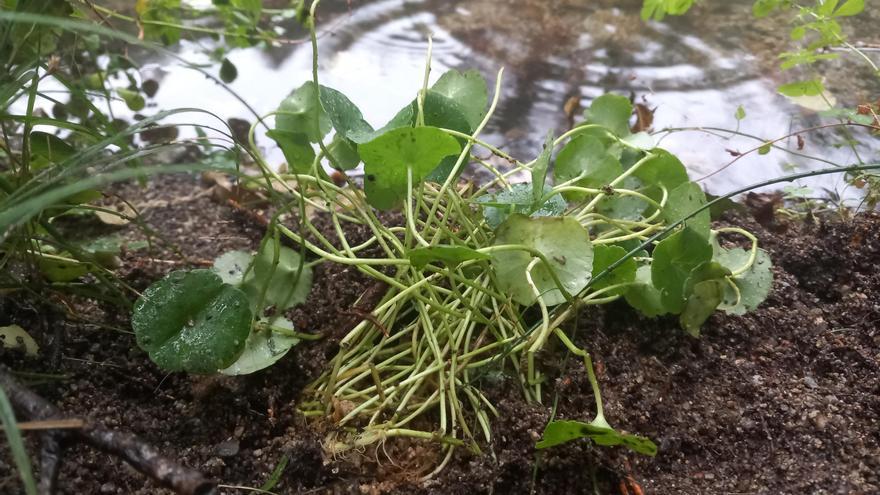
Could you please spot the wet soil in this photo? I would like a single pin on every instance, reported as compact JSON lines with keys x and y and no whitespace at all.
{"x":783,"y":400}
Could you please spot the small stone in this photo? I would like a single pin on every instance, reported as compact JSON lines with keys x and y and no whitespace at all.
{"x":810,"y":382}
{"x":228,"y":448}
{"x":108,"y":488}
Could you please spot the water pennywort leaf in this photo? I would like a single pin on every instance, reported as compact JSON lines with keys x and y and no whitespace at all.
{"x":192,"y":321}
{"x":264,"y":347}
{"x":518,"y":199}
{"x":564,"y":243}
{"x":283,"y":283}
{"x":612,"y":112}
{"x":388,"y":157}
{"x":562,"y":431}
{"x":299,"y":113}
{"x":674,"y":259}
{"x":586,"y":156}
{"x":467,"y":89}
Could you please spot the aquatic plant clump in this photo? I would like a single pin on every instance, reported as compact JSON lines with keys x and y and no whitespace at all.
{"x":477,"y":278}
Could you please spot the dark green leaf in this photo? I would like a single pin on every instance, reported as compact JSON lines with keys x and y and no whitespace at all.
{"x":50,"y":147}
{"x":701,"y":303}
{"x":228,"y":72}
{"x":192,"y":321}
{"x":345,"y":116}
{"x":674,"y":259}
{"x":664,"y":169}
{"x":344,"y":153}
{"x":603,"y":256}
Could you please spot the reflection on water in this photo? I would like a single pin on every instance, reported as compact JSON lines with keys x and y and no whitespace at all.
{"x":695,"y":70}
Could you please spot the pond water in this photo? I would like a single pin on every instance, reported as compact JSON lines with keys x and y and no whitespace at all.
{"x":694,"y":71}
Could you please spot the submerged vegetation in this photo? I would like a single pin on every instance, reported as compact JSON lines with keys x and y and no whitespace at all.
{"x":472,"y":279}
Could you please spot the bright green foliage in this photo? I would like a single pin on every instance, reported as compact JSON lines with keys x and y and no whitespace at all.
{"x":658,"y":9}
{"x":133,"y":100}
{"x":449,"y":255}
{"x":389,"y":159}
{"x":644,"y":296}
{"x":300,"y":113}
{"x":562,"y":431}
{"x":297,"y":150}
{"x":684,"y":199}
{"x":803,"y":88}
{"x":563,"y":242}
{"x":754,"y":284}
{"x":518,"y":199}
{"x":468,"y":91}
{"x":192,"y":321}
{"x":612,"y":112}
{"x":674,"y":258}
{"x":162,"y":11}
{"x":662,"y":169}
{"x":587,"y":157}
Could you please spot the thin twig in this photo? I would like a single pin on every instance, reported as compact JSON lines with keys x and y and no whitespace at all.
{"x":140,"y":455}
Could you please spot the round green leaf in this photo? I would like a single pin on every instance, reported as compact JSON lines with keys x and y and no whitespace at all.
{"x":564,"y":243}
{"x":586,"y":156}
{"x":674,"y":259}
{"x":684,"y":200}
{"x":518,"y":199}
{"x":388,"y":157}
{"x":345,"y":116}
{"x":264,"y":347}
{"x":192,"y":321}
{"x":612,"y":112}
{"x":664,"y":169}
{"x":296,"y":149}
{"x":754,"y":284}
{"x":701,"y":303}
{"x":283,"y":284}
{"x":603,"y":257}
{"x":297,"y":114}
{"x":644,"y":296}
{"x":468,"y":90}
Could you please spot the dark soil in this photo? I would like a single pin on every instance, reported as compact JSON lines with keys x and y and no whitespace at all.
{"x":783,"y":400}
